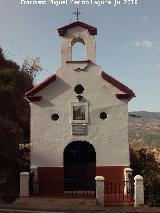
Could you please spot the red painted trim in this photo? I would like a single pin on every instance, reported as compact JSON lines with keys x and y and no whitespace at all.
{"x":74,"y":62}
{"x":34,"y":98}
{"x":63,"y":30}
{"x":125,"y":96}
{"x":111,"y":173}
{"x":41,"y":86}
{"x":47,"y":187}
{"x":129,"y":94}
{"x":51,"y":172}
{"x":117,"y":84}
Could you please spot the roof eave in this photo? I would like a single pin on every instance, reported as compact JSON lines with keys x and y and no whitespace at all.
{"x":41,"y":86}
{"x":33,"y":98}
{"x":63,"y":30}
{"x":117,"y":84}
{"x":125,"y":96}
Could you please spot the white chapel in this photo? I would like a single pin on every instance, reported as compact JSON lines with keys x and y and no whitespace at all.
{"x":79,"y":116}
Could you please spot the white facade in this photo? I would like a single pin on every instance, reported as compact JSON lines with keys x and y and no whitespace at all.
{"x":109,"y":137}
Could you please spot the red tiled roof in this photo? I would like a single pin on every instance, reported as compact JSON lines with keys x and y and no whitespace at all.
{"x":41,"y":86}
{"x":63,"y":30}
{"x":129,"y":94}
{"x":34,"y":98}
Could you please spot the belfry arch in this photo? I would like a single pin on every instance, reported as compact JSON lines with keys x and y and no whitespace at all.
{"x":78,"y":51}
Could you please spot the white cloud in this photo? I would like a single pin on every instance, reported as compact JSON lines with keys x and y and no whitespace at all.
{"x":144,"y":18}
{"x":126,"y":45}
{"x":143,"y":43}
{"x":136,"y":63}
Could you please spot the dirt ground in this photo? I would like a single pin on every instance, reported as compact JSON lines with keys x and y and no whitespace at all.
{"x":67,"y":205}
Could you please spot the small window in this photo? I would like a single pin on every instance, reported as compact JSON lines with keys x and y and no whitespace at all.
{"x":103,"y":115}
{"x":79,"y":89}
{"x":55,"y":117}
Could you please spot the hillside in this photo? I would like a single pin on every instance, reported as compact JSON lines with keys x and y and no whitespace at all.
{"x":144,"y":128}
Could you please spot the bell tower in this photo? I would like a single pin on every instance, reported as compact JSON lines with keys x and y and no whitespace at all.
{"x":77,"y":32}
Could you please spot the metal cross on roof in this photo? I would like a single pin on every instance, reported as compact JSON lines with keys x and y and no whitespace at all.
{"x":77,"y":13}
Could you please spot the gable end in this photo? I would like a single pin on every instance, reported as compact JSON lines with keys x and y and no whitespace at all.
{"x":129,"y":94}
{"x":40,"y":86}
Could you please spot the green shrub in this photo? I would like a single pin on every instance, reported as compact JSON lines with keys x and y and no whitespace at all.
{"x":144,"y":163}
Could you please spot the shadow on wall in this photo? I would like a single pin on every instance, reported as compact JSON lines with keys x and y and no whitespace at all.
{"x":52,"y":91}
{"x":44,"y":158}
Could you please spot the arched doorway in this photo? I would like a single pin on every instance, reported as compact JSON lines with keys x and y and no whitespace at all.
{"x":80,"y":163}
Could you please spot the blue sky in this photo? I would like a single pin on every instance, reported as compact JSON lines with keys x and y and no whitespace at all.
{"x":128,"y":40}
